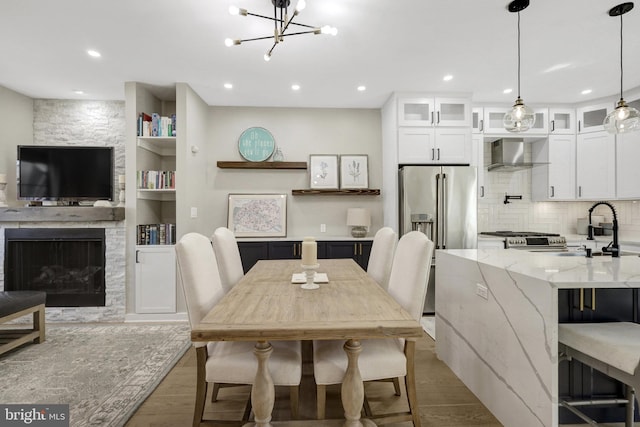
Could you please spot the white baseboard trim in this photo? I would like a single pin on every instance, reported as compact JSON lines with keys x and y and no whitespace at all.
{"x":156,"y":317}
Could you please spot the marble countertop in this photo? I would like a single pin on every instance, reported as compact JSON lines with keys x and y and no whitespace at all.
{"x":560,"y":271}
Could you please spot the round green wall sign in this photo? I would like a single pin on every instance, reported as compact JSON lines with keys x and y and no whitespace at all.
{"x":256,"y":144}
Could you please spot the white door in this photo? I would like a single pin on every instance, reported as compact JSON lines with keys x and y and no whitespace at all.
{"x":591,"y":118}
{"x":453,"y":145}
{"x":595,"y":165}
{"x":416,"y":111}
{"x":627,"y":170}
{"x":416,"y":145}
{"x":452,"y":112}
{"x":562,"y":121}
{"x":155,"y":279}
{"x":562,"y":167}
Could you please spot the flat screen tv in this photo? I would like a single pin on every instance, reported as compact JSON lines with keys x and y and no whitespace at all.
{"x":64,"y":173}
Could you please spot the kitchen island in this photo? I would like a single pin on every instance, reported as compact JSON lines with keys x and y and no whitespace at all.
{"x":497,"y":322}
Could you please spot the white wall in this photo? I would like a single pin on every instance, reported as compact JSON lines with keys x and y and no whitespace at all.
{"x":299,"y":133}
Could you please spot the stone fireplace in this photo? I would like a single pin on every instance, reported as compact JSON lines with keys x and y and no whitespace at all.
{"x":48,"y":221}
{"x":67,"y":263}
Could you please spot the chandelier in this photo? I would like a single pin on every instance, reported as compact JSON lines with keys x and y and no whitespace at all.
{"x":281,"y":23}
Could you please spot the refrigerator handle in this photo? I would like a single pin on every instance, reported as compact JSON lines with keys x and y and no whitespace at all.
{"x":437,"y":220}
{"x":444,"y":211}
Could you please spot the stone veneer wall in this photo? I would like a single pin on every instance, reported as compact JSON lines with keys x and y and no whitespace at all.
{"x":552,"y":217}
{"x":97,"y":123}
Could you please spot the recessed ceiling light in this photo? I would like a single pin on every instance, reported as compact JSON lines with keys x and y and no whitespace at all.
{"x":586,"y":91}
{"x":78,"y":92}
{"x":228,"y":86}
{"x":447,"y":77}
{"x":362,"y":88}
{"x":94,"y":53}
{"x":295,"y":87}
{"x":507,"y":91}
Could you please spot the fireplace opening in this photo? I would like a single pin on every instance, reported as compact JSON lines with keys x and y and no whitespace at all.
{"x":67,"y":263}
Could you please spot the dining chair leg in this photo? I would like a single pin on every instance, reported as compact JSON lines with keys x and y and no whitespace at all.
{"x":410,"y":381}
{"x":294,"y":392}
{"x":396,"y":385}
{"x":321,"y":399}
{"x":366,"y":407}
{"x":201,"y":385}
{"x":214,"y":392}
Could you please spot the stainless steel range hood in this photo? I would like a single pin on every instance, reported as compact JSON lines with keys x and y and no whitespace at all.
{"x":507,"y":154}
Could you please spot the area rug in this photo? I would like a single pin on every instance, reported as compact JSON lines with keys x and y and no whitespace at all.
{"x":103,"y":371}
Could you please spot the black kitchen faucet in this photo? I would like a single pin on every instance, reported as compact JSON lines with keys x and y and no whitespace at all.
{"x":613,"y":248}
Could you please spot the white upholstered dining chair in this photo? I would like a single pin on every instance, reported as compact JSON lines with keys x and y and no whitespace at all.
{"x":226,"y":362}
{"x":228,"y":257}
{"x":384,"y":358}
{"x":381,"y":257}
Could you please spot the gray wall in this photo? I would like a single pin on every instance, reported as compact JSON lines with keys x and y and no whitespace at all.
{"x":299,"y":133}
{"x":16,"y":111}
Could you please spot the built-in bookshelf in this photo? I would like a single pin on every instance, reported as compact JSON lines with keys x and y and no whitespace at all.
{"x":156,"y":190}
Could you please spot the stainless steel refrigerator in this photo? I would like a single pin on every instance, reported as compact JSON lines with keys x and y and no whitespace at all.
{"x":442,"y":202}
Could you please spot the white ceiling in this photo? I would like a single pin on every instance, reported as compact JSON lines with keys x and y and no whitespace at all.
{"x":402,"y":45}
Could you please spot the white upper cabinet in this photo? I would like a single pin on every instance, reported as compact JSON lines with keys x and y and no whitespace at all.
{"x":494,"y":116}
{"x":595,"y":166}
{"x":562,"y":121}
{"x":427,"y":145}
{"x":627,"y":155}
{"x":434,"y":111}
{"x":477,"y":120}
{"x":557,"y":179}
{"x":591,"y":118}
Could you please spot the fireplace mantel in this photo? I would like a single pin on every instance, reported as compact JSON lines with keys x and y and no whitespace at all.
{"x":61,"y":214}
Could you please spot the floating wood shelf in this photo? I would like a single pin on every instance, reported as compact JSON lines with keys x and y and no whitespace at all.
{"x":262,"y":165}
{"x":358,"y":192}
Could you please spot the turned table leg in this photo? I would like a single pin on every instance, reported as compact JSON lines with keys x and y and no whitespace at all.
{"x":352,"y":387}
{"x":263,"y":392}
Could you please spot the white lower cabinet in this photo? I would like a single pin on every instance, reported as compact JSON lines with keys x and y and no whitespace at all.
{"x":557,"y":179}
{"x":595,"y":166}
{"x":155,"y":279}
{"x":627,"y":170}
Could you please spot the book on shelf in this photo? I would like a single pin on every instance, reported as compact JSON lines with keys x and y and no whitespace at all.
{"x":156,"y":125}
{"x":156,"y":234}
{"x":156,"y":180}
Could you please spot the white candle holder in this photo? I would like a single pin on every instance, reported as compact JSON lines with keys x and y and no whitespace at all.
{"x":310,"y":273}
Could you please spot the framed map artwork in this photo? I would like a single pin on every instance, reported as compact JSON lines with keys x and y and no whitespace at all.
{"x":257,"y":215}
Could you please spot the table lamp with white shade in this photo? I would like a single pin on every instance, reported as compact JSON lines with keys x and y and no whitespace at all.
{"x":359,"y":219}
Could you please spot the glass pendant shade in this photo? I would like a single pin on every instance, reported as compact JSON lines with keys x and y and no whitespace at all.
{"x":623,"y":119}
{"x":520,"y":118}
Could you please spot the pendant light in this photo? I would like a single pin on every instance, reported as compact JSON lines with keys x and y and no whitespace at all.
{"x":624,"y":118}
{"x":521,"y":117}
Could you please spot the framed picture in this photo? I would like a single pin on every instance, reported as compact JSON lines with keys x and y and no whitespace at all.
{"x":257,"y":215}
{"x":323,"y":171}
{"x":354,"y":171}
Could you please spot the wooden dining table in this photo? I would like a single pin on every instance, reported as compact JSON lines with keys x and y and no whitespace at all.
{"x":266,"y":306}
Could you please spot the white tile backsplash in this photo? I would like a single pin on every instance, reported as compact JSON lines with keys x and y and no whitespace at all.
{"x":553,"y":217}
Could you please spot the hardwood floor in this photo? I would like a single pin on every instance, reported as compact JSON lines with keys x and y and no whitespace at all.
{"x":444,"y":400}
